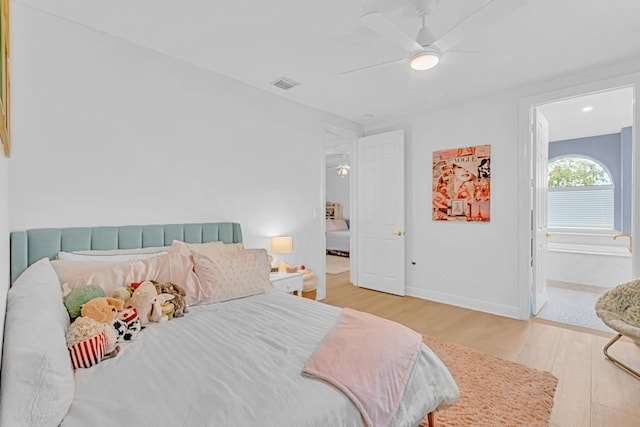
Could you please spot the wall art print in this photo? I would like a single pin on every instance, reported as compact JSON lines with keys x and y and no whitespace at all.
{"x":461,"y":184}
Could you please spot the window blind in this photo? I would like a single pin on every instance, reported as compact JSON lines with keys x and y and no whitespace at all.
{"x":580,"y":207}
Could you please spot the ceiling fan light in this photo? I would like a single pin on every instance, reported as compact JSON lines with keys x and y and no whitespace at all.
{"x":423,"y":61}
{"x":342,"y":170}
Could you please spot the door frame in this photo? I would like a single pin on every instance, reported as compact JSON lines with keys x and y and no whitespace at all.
{"x":525,"y":174}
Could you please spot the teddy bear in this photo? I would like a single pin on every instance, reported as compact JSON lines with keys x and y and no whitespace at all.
{"x":105,"y":310}
{"x":179,"y":302}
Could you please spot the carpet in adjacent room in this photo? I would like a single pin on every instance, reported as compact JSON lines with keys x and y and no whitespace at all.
{"x":493,"y":391}
{"x":337,"y":264}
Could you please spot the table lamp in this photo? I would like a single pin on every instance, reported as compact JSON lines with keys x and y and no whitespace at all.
{"x":282,"y":245}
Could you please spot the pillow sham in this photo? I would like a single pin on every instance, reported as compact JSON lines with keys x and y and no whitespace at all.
{"x":233,"y":275}
{"x":169,"y":267}
{"x":210,"y":249}
{"x":66,"y":270}
{"x":115,"y":255}
{"x":37,"y":377}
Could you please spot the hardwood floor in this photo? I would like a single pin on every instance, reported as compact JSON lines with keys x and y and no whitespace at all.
{"x":591,"y":392}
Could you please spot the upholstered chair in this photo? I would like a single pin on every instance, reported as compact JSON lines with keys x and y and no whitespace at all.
{"x":619,"y":308}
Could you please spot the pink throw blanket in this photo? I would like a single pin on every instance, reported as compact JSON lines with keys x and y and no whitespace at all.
{"x":370,"y":359}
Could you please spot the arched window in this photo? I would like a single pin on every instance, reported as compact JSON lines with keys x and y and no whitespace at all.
{"x":580,"y":194}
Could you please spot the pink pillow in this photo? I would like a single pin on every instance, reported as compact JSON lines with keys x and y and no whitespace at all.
{"x":67,"y":270}
{"x":171,"y":267}
{"x":331,"y":225}
{"x":233,"y":275}
{"x":336,"y":225}
{"x":209,"y":249}
{"x":340,"y":225}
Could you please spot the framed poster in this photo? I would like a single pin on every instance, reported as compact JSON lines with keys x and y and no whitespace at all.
{"x":461,"y":184}
{"x":5,"y":136}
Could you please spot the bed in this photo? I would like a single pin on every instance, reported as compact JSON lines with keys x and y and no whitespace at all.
{"x":338,"y":237}
{"x":231,"y":363}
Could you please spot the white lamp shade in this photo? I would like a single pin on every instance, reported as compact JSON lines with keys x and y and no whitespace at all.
{"x":282,"y":245}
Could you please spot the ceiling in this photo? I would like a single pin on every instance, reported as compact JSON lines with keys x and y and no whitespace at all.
{"x":606,"y":113}
{"x":313,"y":42}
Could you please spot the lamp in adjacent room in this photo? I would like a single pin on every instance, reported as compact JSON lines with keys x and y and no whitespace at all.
{"x":282,"y":245}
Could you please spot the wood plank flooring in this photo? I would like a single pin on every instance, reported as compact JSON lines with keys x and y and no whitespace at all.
{"x":591,"y":392}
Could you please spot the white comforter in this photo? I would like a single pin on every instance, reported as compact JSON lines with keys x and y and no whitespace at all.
{"x":236,"y":364}
{"x":339,"y":240}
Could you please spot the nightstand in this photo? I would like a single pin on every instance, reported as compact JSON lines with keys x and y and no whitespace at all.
{"x":287,"y":282}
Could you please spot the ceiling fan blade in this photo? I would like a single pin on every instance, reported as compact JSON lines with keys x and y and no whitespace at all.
{"x":381,"y":25}
{"x":371,"y":67}
{"x":486,"y":16}
{"x":475,"y":58}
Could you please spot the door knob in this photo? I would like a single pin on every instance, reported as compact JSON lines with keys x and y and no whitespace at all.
{"x":398,"y":233}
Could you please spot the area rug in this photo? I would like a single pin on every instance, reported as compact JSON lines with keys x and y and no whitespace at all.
{"x":493,"y":392}
{"x":337,"y":264}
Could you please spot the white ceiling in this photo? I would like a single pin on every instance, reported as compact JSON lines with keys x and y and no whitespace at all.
{"x":312,"y":42}
{"x":610,"y":111}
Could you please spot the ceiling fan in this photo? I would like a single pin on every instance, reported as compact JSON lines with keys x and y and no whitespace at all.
{"x":426,"y":50}
{"x":343,"y":167}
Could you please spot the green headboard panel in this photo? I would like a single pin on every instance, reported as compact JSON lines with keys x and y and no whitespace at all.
{"x":30,"y":246}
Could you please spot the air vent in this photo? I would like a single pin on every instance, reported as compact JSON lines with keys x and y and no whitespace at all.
{"x":285,"y":83}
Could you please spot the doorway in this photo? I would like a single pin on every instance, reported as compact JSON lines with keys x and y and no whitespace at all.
{"x":589,"y":204}
{"x":338,"y":205}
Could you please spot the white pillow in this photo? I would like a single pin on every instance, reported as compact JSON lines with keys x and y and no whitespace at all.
{"x":112,"y":255}
{"x":37,"y":377}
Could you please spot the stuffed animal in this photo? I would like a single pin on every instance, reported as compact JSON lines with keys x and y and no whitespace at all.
{"x":79,"y":296}
{"x":87,"y":342}
{"x":121,"y":293}
{"x":179,"y":303}
{"x":105,"y":310}
{"x":143,"y":300}
{"x":129,"y":324}
{"x":157,"y":310}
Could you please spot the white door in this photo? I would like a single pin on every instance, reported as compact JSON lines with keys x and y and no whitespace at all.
{"x":539,"y":189}
{"x":380,"y":212}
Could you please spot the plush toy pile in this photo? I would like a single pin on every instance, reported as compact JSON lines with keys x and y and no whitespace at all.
{"x":100,"y":322}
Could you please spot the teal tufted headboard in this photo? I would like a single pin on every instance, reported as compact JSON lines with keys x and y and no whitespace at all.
{"x":30,"y":246}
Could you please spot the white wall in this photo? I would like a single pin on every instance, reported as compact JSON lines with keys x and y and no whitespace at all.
{"x":482,"y":266}
{"x":108,"y":133}
{"x":468,"y":264}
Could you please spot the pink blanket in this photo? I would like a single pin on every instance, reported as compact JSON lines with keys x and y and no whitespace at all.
{"x":369,"y":359}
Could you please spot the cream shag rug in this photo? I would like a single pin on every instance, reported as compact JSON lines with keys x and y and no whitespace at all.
{"x":337,"y":264}
{"x":493,"y":392}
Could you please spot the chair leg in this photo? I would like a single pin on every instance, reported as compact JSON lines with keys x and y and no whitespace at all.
{"x":431,"y":419}
{"x":619,"y":364}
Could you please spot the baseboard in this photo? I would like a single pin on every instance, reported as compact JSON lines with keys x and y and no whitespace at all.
{"x":470,"y":303}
